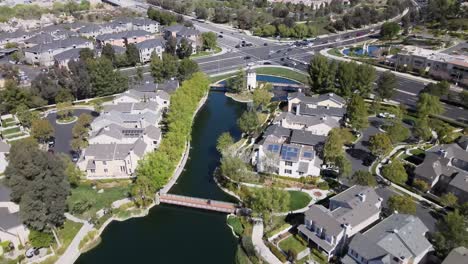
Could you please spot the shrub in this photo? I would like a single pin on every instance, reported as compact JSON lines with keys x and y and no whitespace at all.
{"x":277,"y":252}
{"x":421,"y":185}
{"x":40,"y":239}
{"x":323,"y":185}
{"x":248,"y":246}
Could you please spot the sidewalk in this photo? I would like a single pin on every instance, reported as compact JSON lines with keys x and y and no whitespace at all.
{"x":259,"y":245}
{"x":73,"y":251}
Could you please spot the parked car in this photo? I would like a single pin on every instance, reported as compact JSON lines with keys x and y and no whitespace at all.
{"x":247,"y":58}
{"x":75,"y":157}
{"x":220,"y":36}
{"x":237,"y":46}
{"x":265,"y":44}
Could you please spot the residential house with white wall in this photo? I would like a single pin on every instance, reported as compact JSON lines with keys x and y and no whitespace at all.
{"x":349,"y":212}
{"x":400,"y":238}
{"x":149,"y":47}
{"x":318,"y":125}
{"x":43,"y":54}
{"x":121,"y":39}
{"x":328,"y":104}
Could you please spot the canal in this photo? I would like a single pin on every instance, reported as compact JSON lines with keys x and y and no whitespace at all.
{"x":172,"y":234}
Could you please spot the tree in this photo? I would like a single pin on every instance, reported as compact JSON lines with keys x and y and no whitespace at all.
{"x":97,"y":106}
{"x":132,"y":54}
{"x":224,"y":142}
{"x":42,"y":130}
{"x":333,"y":146}
{"x":318,"y":73}
{"x":248,"y":122}
{"x":437,"y":89}
{"x":170,"y":65}
{"x":265,"y":201}
{"x":17,"y":56}
{"x":233,"y":167}
{"x":344,"y":165}
{"x":80,"y":82}
{"x":108,"y":52}
{"x":380,"y":144}
{"x":422,"y":129}
{"x":46,"y":87}
{"x":389,"y":30}
{"x":187,"y":68}
{"x":201,"y":12}
{"x":157,"y":68}
{"x":171,"y":45}
{"x":386,"y":85}
{"x":365,"y":78}
{"x":40,"y":239}
{"x":104,"y":80}
{"x":346,"y":76}
{"x":25,"y":116}
{"x":403,"y":204}
{"x":64,"y":110}
{"x":209,"y":41}
{"x":139,"y":74}
{"x":428,"y":105}
{"x":64,"y":95}
{"x":185,"y":49}
{"x":143,"y":191}
{"x":449,"y":200}
{"x":221,"y":15}
{"x":38,"y":183}
{"x":261,"y":97}
{"x":395,"y":172}
{"x":73,"y":173}
{"x":421,"y":185}
{"x":397,"y":132}
{"x":452,"y":233}
{"x":364,"y":178}
{"x":357,"y":113}
{"x":238,"y":82}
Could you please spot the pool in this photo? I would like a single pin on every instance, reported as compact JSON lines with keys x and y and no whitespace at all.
{"x":360,"y":52}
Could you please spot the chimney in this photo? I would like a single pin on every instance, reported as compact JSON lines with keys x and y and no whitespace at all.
{"x":362,"y":197}
{"x":106,"y":128}
{"x":299,"y":90}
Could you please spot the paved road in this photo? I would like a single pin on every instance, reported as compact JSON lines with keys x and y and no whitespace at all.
{"x":260,"y":247}
{"x":63,"y":133}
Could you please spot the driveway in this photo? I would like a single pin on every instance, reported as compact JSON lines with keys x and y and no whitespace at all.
{"x":360,"y":156}
{"x":63,"y":133}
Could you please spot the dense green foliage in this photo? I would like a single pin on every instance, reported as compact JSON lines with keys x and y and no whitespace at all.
{"x":40,"y":239}
{"x":357,"y":113}
{"x":389,"y":30}
{"x":224,"y":142}
{"x":386,"y":85}
{"x":38,"y":183}
{"x":157,"y":167}
{"x":403,"y":204}
{"x":380,"y":144}
{"x":364,"y":178}
{"x":452,"y":233}
{"x":395,"y":172}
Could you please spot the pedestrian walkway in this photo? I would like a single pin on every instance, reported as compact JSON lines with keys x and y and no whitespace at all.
{"x":73,"y":251}
{"x":259,"y":245}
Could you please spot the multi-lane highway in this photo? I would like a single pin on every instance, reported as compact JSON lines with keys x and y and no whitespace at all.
{"x":275,"y":52}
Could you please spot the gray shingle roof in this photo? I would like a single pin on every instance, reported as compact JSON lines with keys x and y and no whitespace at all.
{"x":316,"y":98}
{"x":122,"y":35}
{"x":460,"y":181}
{"x":65,"y":43}
{"x":71,"y":54}
{"x":307,"y":120}
{"x":277,"y":131}
{"x":321,"y":110}
{"x":302,"y":137}
{"x":151,"y":43}
{"x":4,"y":147}
{"x":322,"y":217}
{"x":399,"y":235}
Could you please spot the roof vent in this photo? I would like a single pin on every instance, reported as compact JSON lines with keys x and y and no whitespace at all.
{"x":395,"y":231}
{"x":362,"y":197}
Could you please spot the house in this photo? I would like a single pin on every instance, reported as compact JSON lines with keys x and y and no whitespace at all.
{"x":4,"y":150}
{"x":318,"y":125}
{"x":139,"y":24}
{"x":349,"y":212}
{"x":400,"y":238}
{"x":43,"y":54}
{"x":169,"y":86}
{"x":447,"y":167}
{"x":62,"y":59}
{"x":18,"y":36}
{"x":149,"y":47}
{"x":121,"y":39}
{"x":11,"y":227}
{"x":328,"y":104}
{"x":181,"y":31}
{"x":116,"y":161}
{"x":125,"y":131}
{"x":458,"y":255}
{"x":314,"y":4}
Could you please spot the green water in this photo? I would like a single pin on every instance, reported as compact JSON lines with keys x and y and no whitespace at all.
{"x":172,"y":234}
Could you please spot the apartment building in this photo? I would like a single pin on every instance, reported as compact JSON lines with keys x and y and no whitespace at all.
{"x":149,"y":47}
{"x":43,"y":54}
{"x":121,"y":39}
{"x":349,"y":212}
{"x":439,"y":65}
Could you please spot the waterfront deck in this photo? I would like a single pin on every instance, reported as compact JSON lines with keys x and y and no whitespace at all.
{"x":200,"y":203}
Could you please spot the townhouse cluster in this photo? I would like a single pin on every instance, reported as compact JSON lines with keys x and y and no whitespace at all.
{"x":289,"y":146}
{"x":351,"y":228}
{"x":126,"y":130}
{"x":58,"y":44}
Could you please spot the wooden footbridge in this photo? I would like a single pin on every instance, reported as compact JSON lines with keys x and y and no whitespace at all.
{"x":200,"y":203}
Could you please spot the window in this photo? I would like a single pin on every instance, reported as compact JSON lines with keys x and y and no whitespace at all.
{"x":288,"y":163}
{"x":122,"y":168}
{"x":301,"y":173}
{"x":104,"y":162}
{"x":287,"y":171}
{"x":105,"y":170}
{"x":155,"y":142}
{"x":92,"y":171}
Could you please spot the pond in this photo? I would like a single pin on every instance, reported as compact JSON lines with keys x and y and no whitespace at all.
{"x":360,"y":51}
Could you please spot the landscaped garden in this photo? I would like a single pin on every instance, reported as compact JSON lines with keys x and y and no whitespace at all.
{"x":298,"y":200}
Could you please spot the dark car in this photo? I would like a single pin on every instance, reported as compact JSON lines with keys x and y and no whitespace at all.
{"x":265,"y":44}
{"x":247,"y":58}
{"x":267,"y":63}
{"x":220,"y":36}
{"x":237,"y":46}
{"x":75,"y":156}
{"x":282,"y":59}
{"x":51,"y":142}
{"x":248,"y":44}
{"x":221,"y":32}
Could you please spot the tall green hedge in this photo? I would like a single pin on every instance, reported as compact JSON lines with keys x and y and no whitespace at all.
{"x":159,"y":165}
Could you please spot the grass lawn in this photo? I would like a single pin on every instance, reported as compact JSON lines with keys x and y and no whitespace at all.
{"x":98,"y":200}
{"x":293,"y":243}
{"x":298,"y":200}
{"x":417,"y":151}
{"x":335,"y":52}
{"x":14,"y":135}
{"x":281,"y":72}
{"x":205,"y":53}
{"x":68,"y":232}
{"x":11,"y":131}
{"x":236,"y":225}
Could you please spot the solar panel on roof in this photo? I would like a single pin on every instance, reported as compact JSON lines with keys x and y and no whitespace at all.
{"x":308,"y":154}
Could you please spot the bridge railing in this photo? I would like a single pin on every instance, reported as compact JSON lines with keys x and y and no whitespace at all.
{"x":188,"y":198}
